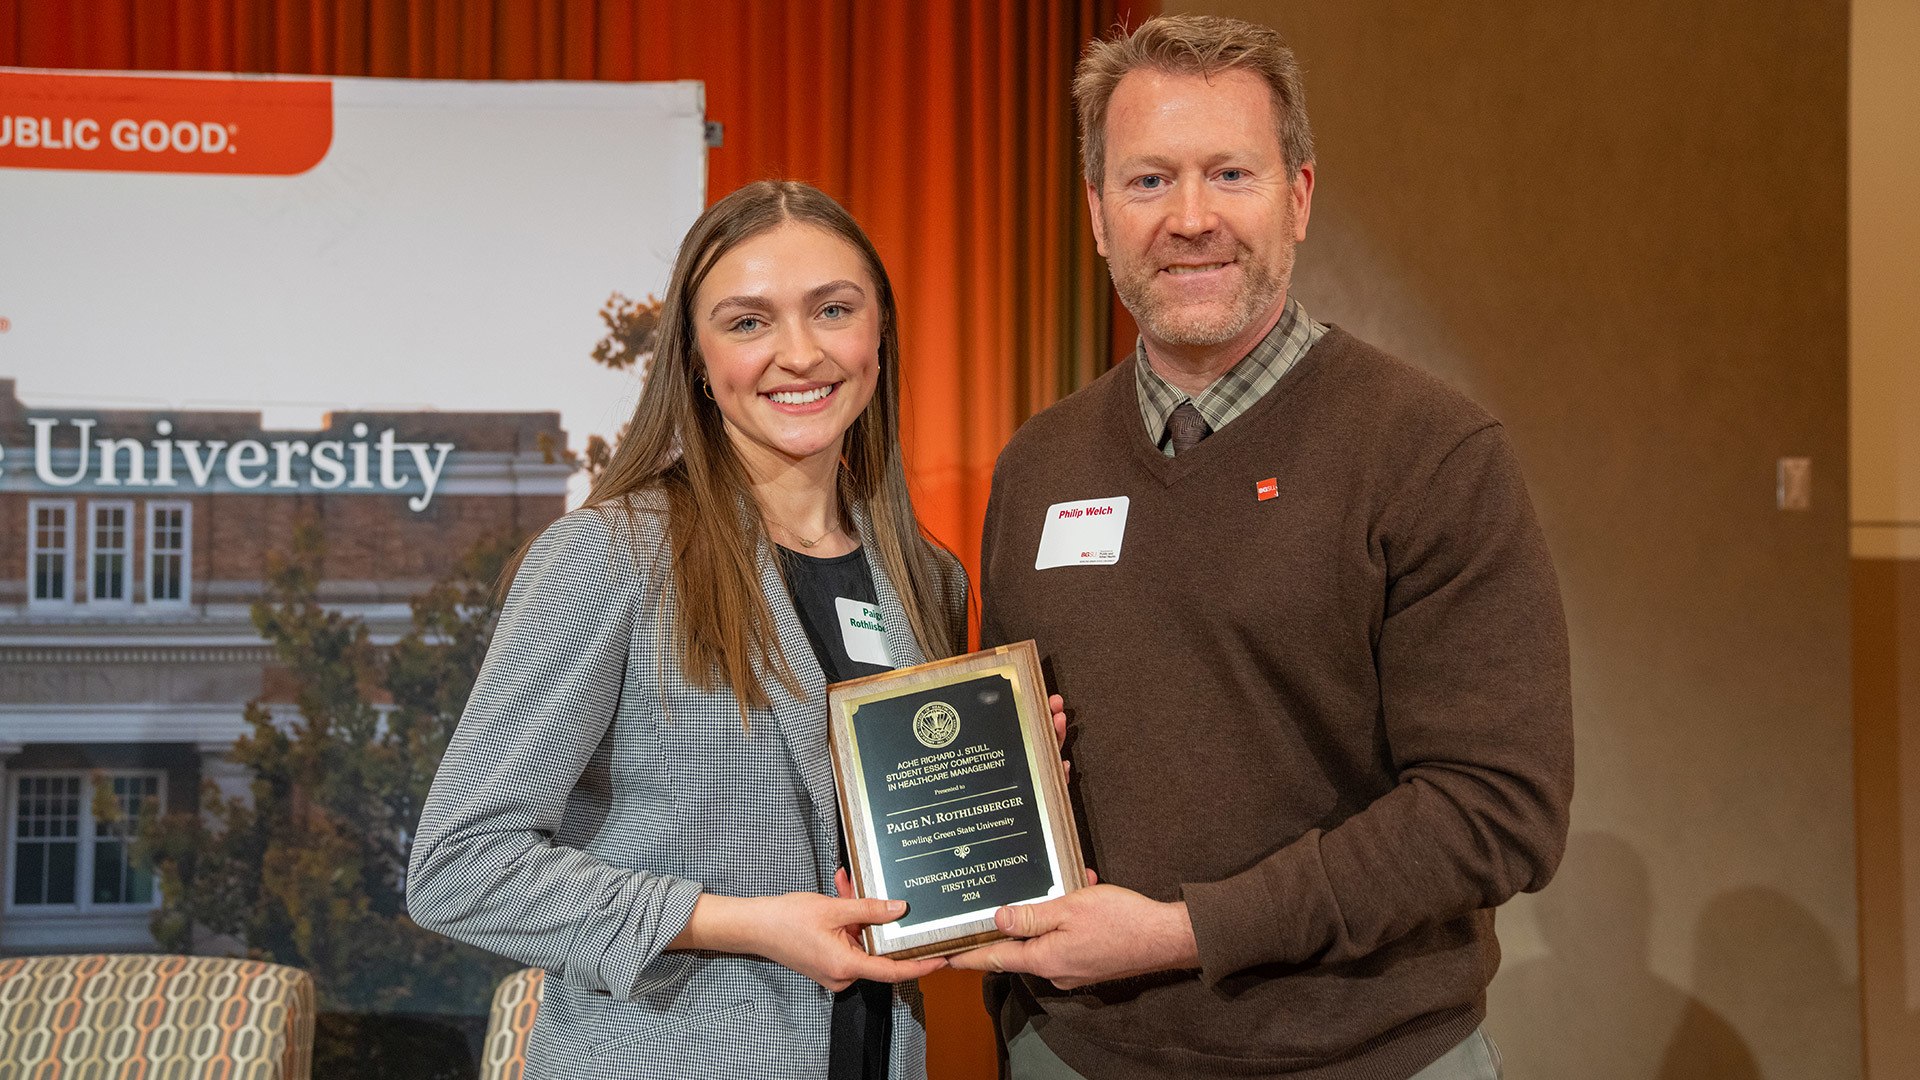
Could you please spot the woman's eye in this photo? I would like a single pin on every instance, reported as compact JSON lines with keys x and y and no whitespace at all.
{"x":836,"y":311}
{"x":746,"y":324}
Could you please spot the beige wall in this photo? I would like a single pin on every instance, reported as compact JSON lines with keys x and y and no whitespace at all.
{"x":1885,"y":255}
{"x":1622,"y":226}
{"x":1884,"y":285}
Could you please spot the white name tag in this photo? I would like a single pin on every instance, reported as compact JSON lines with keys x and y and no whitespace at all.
{"x":1086,"y":533}
{"x":863,"y":632}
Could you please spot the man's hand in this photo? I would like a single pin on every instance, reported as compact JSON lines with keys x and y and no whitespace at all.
{"x":1087,"y":936}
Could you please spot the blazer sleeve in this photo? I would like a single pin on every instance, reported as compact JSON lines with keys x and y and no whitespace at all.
{"x":484,"y":867}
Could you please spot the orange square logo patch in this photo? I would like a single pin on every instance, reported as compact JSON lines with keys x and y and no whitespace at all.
{"x":1267,"y":489}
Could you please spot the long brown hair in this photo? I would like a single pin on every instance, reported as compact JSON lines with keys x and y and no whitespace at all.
{"x":676,"y":444}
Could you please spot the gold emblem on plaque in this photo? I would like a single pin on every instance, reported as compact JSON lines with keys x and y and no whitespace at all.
{"x":936,"y":724}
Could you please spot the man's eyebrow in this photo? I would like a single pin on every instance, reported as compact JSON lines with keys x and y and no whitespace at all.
{"x":1156,"y":161}
{"x":814,"y":295}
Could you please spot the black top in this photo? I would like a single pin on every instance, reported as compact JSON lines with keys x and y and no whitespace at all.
{"x":818,"y":585}
{"x":863,"y":1012}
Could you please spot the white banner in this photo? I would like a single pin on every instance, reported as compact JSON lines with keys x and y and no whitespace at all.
{"x":305,"y":245}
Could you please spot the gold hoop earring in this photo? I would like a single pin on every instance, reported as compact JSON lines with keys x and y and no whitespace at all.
{"x":706,"y":387}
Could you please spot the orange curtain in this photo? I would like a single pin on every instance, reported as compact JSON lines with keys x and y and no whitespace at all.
{"x":944,"y":125}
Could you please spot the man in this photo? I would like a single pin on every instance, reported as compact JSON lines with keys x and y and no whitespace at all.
{"x":1304,"y":622}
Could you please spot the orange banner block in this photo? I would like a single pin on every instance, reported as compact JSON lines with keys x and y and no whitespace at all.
{"x":123,"y":123}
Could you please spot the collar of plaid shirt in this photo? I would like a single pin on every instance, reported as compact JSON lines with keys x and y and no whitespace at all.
{"x":1236,"y":391}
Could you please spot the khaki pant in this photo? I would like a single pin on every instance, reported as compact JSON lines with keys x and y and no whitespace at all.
{"x":1476,"y":1058}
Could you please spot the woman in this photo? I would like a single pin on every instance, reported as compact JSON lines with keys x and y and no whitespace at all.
{"x":638,"y":797}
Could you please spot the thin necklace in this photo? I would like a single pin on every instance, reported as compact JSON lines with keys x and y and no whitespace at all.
{"x":804,"y":542}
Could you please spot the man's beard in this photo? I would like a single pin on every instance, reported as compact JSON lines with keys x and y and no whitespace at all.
{"x":1201,"y":324}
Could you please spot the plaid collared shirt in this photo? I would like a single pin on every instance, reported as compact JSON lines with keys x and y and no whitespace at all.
{"x":1236,"y":391}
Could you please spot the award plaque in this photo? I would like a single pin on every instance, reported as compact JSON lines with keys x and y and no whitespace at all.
{"x":952,"y":796}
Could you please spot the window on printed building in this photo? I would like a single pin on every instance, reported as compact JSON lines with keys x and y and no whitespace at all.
{"x":169,"y":552}
{"x":72,"y":840}
{"x":118,"y":878}
{"x":50,"y":550}
{"x":110,"y":554}
{"x":46,"y":840}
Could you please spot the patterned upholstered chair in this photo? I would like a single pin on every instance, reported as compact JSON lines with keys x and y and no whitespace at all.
{"x":515,"y":1003}
{"x":154,"y":1015}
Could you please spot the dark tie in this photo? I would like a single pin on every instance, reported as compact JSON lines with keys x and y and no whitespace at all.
{"x":1185,"y":426}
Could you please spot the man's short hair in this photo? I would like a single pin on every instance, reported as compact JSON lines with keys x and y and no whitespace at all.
{"x":1204,"y":45}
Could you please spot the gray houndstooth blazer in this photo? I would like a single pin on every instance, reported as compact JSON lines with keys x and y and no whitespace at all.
{"x":591,"y":794}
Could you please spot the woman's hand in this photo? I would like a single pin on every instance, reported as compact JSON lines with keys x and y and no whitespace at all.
{"x":1057,"y":706}
{"x":817,"y":936}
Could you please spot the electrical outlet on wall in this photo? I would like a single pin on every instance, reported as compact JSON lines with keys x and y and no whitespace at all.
{"x":1793,"y":489}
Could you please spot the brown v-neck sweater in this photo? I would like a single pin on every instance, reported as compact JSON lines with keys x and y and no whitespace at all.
{"x":1335,"y":720}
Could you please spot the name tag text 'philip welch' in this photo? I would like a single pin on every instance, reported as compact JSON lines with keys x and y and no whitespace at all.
{"x":1085,"y":533}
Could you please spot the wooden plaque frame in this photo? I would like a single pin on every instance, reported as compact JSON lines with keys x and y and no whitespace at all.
{"x":1036,"y":759}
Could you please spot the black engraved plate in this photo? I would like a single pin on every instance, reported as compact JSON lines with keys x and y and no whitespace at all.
{"x":954,"y":815}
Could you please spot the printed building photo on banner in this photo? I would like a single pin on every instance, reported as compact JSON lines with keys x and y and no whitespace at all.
{"x":288,"y":368}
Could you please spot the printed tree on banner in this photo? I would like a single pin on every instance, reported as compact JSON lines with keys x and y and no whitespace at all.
{"x":627,"y":346}
{"x":311,"y":870}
